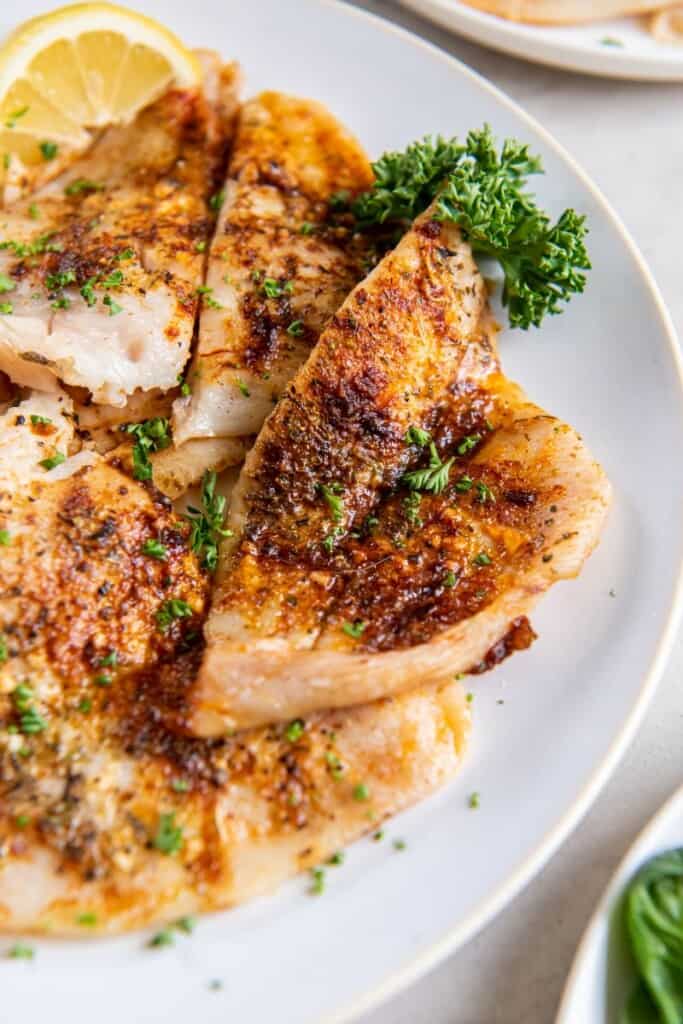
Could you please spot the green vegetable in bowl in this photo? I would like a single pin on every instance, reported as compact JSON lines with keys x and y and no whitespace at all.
{"x":483,"y":191}
{"x":654,"y":920}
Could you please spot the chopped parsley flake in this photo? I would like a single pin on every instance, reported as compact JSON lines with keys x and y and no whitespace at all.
{"x":150,"y":436}
{"x":464,"y":484}
{"x":6,"y":283}
{"x":306,"y":228}
{"x":161,"y":939}
{"x":450,"y":579}
{"x":114,"y":307}
{"x":468,"y":442}
{"x":155,"y":549}
{"x":207,"y":297}
{"x":336,"y":859}
{"x":180,"y":785}
{"x":20,"y":951}
{"x":473,"y":801}
{"x":54,"y":460}
{"x":15,"y":116}
{"x":482,"y":559}
{"x":295,"y":730}
{"x":243,"y":387}
{"x":4,"y":654}
{"x":354,"y":629}
{"x":82,"y":186}
{"x":296,"y":328}
{"x":415,"y":435}
{"x":59,"y":280}
{"x":48,"y":149}
{"x":217,"y":200}
{"x":6,"y":308}
{"x":88,"y":919}
{"x":200,"y":246}
{"x":33,"y":211}
{"x":485,"y":494}
{"x":109,"y":660}
{"x":39,"y":421}
{"x":335,"y":504}
{"x":172,"y":610}
{"x":399,"y":844}
{"x":5,"y":538}
{"x":361,"y":792}
{"x":84,"y":706}
{"x":169,"y":836}
{"x":318,"y":881}
{"x":207,"y":523}
{"x":126,"y":254}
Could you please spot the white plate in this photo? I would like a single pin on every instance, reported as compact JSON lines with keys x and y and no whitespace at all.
{"x":602,"y":975}
{"x":571,"y":704}
{"x":593,"y":47}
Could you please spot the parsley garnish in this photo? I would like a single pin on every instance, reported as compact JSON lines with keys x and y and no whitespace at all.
{"x":482,"y":191}
{"x":171,"y":610}
{"x":318,"y":881}
{"x":155,"y":549}
{"x":207,"y":297}
{"x":109,"y":660}
{"x":19,"y":951}
{"x":306,"y":228}
{"x":473,"y":801}
{"x":482,"y":559}
{"x":87,"y":919}
{"x":14,"y":116}
{"x":4,"y":653}
{"x":217,"y":200}
{"x":30,"y":720}
{"x":464,"y":484}
{"x":243,"y":387}
{"x":40,"y":245}
{"x":180,"y":785}
{"x":468,"y":442}
{"x":55,"y":460}
{"x":208,"y":523}
{"x":114,"y":307}
{"x":295,"y":730}
{"x":485,"y":494}
{"x":354,"y":629}
{"x":39,"y":421}
{"x":296,"y":328}
{"x":59,"y":280}
{"x":113,"y":279}
{"x":49,"y":150}
{"x":6,"y":307}
{"x":361,"y":792}
{"x":334,"y":502}
{"x":432,"y":478}
{"x":450,"y":579}
{"x":82,"y":186}
{"x":87,"y":290}
{"x":127,"y":254}
{"x":6,"y":283}
{"x":33,"y":211}
{"x":5,"y":539}
{"x":169,"y":836}
{"x":415,"y":435}
{"x":150,"y":436}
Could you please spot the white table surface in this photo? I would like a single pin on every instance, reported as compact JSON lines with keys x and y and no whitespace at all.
{"x":628,"y":137}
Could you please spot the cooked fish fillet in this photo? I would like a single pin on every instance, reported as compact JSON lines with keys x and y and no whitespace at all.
{"x":113,"y":818}
{"x":566,"y":12}
{"x":100,"y":270}
{"x":341,"y":583}
{"x":108,"y":819}
{"x":277,"y":269}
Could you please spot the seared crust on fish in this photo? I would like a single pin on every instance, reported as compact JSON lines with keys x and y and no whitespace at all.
{"x":343,"y":583}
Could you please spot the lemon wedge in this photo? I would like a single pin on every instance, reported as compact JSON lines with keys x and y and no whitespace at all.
{"x":67,"y":74}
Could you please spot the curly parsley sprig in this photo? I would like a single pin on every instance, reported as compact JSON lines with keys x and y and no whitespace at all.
{"x":207,"y":523}
{"x":483,"y":191}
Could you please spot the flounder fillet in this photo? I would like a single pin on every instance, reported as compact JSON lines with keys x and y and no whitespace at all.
{"x":100,"y":271}
{"x":277,"y":269}
{"x":344,"y":581}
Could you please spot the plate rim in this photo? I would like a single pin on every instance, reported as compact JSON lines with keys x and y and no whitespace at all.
{"x":434,"y":953}
{"x":611,"y":890}
{"x":504,"y":36}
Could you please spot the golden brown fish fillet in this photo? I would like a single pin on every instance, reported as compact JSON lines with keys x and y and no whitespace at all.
{"x":343,"y":584}
{"x":101,"y":269}
{"x":566,"y":12}
{"x":104,"y":811}
{"x":277,"y":268}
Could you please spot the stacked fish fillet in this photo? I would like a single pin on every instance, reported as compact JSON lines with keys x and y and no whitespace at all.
{"x":179,"y":736}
